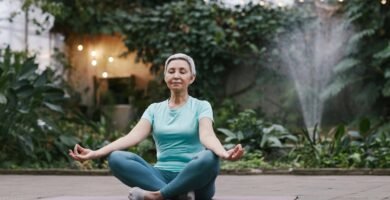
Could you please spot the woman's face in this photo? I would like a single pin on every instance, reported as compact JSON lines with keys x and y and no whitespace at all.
{"x":178,"y":75}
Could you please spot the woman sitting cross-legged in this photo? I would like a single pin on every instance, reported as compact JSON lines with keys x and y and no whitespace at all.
{"x":188,"y":150}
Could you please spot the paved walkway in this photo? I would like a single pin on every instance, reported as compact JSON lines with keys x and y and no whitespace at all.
{"x":32,"y":187}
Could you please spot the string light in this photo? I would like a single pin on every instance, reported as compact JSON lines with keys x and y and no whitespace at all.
{"x":301,"y":1}
{"x":110,"y":59}
{"x":94,"y":62}
{"x":93,"y":53}
{"x":80,"y":47}
{"x":341,"y":1}
{"x":261,"y":3}
{"x":104,"y":74}
{"x":383,"y":2}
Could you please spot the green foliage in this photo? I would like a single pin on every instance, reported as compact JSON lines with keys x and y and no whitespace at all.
{"x":365,"y":68}
{"x":89,"y":16}
{"x":224,"y":111}
{"x":255,"y":134}
{"x":218,"y":39}
{"x":252,"y":160}
{"x":30,"y":104}
{"x":340,"y":147}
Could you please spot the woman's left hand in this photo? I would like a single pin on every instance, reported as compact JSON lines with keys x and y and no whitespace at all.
{"x":234,"y":154}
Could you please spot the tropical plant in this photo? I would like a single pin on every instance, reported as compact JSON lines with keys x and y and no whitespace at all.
{"x":343,"y":147}
{"x":365,"y":72}
{"x":256,"y":134}
{"x":30,"y":104}
{"x":251,"y":160}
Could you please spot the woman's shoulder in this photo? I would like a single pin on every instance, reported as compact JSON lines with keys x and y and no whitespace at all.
{"x":199,"y":102}
{"x":157,"y":104}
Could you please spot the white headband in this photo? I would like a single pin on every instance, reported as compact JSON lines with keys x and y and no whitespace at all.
{"x":181,"y":56}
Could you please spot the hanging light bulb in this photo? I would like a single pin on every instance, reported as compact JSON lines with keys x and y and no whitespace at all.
{"x":261,"y":3}
{"x":301,"y":1}
{"x":104,"y":74}
{"x":93,"y":53}
{"x":383,"y":2}
{"x":94,"y":62}
{"x":80,"y":47}
{"x":110,"y":59}
{"x":341,"y":1}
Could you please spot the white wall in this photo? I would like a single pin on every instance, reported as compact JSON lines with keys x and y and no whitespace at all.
{"x":20,"y":34}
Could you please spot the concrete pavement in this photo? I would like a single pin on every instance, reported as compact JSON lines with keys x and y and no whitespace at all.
{"x":286,"y":187}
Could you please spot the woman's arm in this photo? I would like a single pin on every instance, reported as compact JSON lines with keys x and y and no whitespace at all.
{"x":135,"y":136}
{"x":210,"y":141}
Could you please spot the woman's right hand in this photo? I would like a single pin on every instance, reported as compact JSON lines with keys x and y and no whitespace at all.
{"x":81,"y":154}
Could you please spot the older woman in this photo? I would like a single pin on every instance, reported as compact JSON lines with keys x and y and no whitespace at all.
{"x":187,"y":147}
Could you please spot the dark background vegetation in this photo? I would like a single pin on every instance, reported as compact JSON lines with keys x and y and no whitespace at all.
{"x":40,"y":120}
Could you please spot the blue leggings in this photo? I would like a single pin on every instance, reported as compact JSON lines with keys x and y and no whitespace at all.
{"x":199,"y":175}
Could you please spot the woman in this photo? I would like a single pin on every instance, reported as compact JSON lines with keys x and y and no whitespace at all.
{"x":187,"y":147}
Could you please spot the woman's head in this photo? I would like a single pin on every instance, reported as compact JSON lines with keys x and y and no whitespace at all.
{"x":181,"y":56}
{"x":179,"y":72}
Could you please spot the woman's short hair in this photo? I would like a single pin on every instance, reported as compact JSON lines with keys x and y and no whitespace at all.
{"x":181,"y":56}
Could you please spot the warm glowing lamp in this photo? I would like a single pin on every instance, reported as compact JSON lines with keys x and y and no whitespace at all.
{"x":80,"y":47}
{"x":94,"y":62}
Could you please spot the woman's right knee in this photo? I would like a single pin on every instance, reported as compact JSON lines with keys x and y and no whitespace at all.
{"x":116,"y":158}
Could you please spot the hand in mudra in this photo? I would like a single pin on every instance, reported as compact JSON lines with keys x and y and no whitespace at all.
{"x":234,"y":154}
{"x":81,"y":154}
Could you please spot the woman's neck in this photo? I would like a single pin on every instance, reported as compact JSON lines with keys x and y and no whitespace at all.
{"x":177,"y":100}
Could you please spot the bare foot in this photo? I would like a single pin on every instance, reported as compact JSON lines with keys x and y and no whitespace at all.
{"x":153,"y":195}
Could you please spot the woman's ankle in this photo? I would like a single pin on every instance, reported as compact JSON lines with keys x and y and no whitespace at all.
{"x":153,"y":195}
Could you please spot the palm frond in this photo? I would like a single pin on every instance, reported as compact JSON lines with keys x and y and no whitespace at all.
{"x":360,"y":35}
{"x":346,"y":64}
{"x":383,"y":54}
{"x":338,"y":85}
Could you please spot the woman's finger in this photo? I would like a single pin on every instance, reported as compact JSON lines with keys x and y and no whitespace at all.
{"x":73,"y":155}
{"x":75,"y":150}
{"x":80,"y":148}
{"x":229,"y":154}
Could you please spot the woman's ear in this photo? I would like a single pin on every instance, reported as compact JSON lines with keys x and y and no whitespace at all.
{"x":192,"y":79}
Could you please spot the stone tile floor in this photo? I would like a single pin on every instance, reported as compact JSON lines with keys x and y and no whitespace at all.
{"x":270,"y":187}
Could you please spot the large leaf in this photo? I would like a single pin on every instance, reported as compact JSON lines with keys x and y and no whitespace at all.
{"x":345,"y":65}
{"x":3,"y":99}
{"x":41,"y":80}
{"x":25,"y":91}
{"x":68,"y":140}
{"x":28,"y":70}
{"x":387,"y":73}
{"x":337,"y":86}
{"x":53,"y":107}
{"x":385,"y":53}
{"x":360,"y":35}
{"x":227,"y":132}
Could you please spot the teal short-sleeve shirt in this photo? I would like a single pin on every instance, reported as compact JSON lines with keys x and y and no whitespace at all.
{"x":176,"y":131}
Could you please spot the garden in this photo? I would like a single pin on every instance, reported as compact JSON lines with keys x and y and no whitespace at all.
{"x":305,"y":85}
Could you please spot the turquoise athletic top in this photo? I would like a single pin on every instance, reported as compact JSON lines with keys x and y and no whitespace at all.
{"x":176,"y":131}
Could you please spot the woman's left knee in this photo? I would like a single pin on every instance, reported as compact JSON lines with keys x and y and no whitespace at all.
{"x":208,"y":160}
